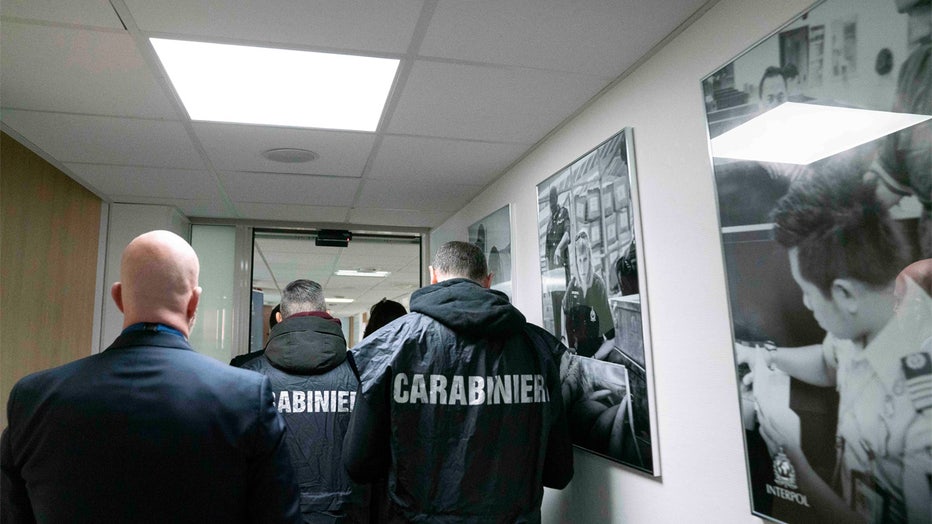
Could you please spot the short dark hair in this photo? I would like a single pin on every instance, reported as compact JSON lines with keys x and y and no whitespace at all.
{"x":840,"y":229}
{"x":461,"y":259}
{"x":770,"y":72}
{"x":302,"y":296}
{"x":273,"y":317}
{"x":381,"y":313}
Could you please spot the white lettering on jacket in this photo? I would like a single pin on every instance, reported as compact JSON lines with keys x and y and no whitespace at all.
{"x":471,"y":390}
{"x":315,"y":401}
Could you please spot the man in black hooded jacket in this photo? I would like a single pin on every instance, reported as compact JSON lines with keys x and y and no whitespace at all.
{"x":460,"y":402}
{"x":315,"y":390}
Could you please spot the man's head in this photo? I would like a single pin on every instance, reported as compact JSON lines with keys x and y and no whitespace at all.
{"x":554,"y":204}
{"x":158,"y":281}
{"x":845,"y":251}
{"x":583,"y":256}
{"x":302,"y":296}
{"x":460,"y":260}
{"x":381,"y":313}
{"x":772,"y":88}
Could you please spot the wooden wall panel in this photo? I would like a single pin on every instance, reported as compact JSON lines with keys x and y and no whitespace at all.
{"x":49,"y":233}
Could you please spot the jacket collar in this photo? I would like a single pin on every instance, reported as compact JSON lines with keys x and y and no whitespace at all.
{"x":150,"y":338}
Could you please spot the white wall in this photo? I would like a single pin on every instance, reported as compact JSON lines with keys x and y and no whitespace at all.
{"x":701,"y":450}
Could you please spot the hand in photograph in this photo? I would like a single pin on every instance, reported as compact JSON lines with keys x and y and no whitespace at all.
{"x":779,"y":426}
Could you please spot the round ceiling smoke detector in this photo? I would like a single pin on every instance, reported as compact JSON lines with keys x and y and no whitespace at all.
{"x":290,"y":155}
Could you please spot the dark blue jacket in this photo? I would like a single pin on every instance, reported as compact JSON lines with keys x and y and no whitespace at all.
{"x":315,"y":390}
{"x":146,"y":431}
{"x":461,"y":404}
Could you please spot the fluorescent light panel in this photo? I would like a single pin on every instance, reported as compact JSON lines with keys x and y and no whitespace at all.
{"x":361,"y":273}
{"x":339,"y":300}
{"x":260,"y":85}
{"x":794,"y":133}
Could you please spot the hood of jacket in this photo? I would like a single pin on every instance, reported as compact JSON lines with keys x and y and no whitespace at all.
{"x":306,"y":344}
{"x":468,"y":308}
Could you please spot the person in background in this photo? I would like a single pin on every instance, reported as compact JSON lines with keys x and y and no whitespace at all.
{"x":557,"y":251}
{"x":772,"y":88}
{"x":274,"y":318}
{"x":315,"y":390}
{"x":147,"y":430}
{"x":460,"y":403}
{"x":904,"y":163}
{"x":588,"y":316}
{"x":845,"y":253}
{"x":381,"y":313}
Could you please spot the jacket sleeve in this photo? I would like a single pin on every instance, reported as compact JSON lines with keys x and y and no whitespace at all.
{"x":366,"y":447}
{"x":273,"y":494}
{"x":558,"y":462}
{"x":15,"y":507}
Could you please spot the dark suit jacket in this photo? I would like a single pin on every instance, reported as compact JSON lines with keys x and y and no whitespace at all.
{"x":146,"y":431}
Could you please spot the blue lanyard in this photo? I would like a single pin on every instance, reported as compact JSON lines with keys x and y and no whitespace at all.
{"x":150,"y":326}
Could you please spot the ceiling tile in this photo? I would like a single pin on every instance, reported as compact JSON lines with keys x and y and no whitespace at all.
{"x":97,"y":13}
{"x":384,"y":263}
{"x":292,"y":213}
{"x":442,"y":160}
{"x":498,"y":104}
{"x":237,"y":147}
{"x":104,"y":72}
{"x":129,"y":181}
{"x":290,"y":261}
{"x":213,"y":208}
{"x":597,"y":37}
{"x":398,"y":217}
{"x":106,"y":140}
{"x":435,"y":196}
{"x":291,"y":244}
{"x":272,"y":188}
{"x":349,"y":24}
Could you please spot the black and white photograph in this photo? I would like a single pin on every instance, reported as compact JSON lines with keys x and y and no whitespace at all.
{"x":493,"y":235}
{"x":821,"y":142}
{"x":588,"y":226}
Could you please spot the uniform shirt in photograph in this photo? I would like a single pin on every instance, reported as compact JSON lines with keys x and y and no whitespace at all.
{"x":905,"y":159}
{"x":885,"y":415}
{"x":460,"y":402}
{"x":315,"y":390}
{"x":588,"y":316}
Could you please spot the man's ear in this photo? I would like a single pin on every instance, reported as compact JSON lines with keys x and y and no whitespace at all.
{"x":116,"y":292}
{"x":845,"y":294}
{"x":191,"y":310}
{"x":487,"y":281}
{"x":433,"y":275}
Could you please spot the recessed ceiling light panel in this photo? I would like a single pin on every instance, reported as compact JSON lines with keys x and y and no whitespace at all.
{"x":794,"y":133}
{"x":266,"y":86}
{"x":338,"y":300}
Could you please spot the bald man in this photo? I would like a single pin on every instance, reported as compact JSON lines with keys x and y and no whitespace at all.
{"x":147,"y":430}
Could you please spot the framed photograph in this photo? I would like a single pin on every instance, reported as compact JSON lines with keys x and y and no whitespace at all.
{"x":493,"y":235}
{"x":594,"y":300}
{"x":821,"y":142}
